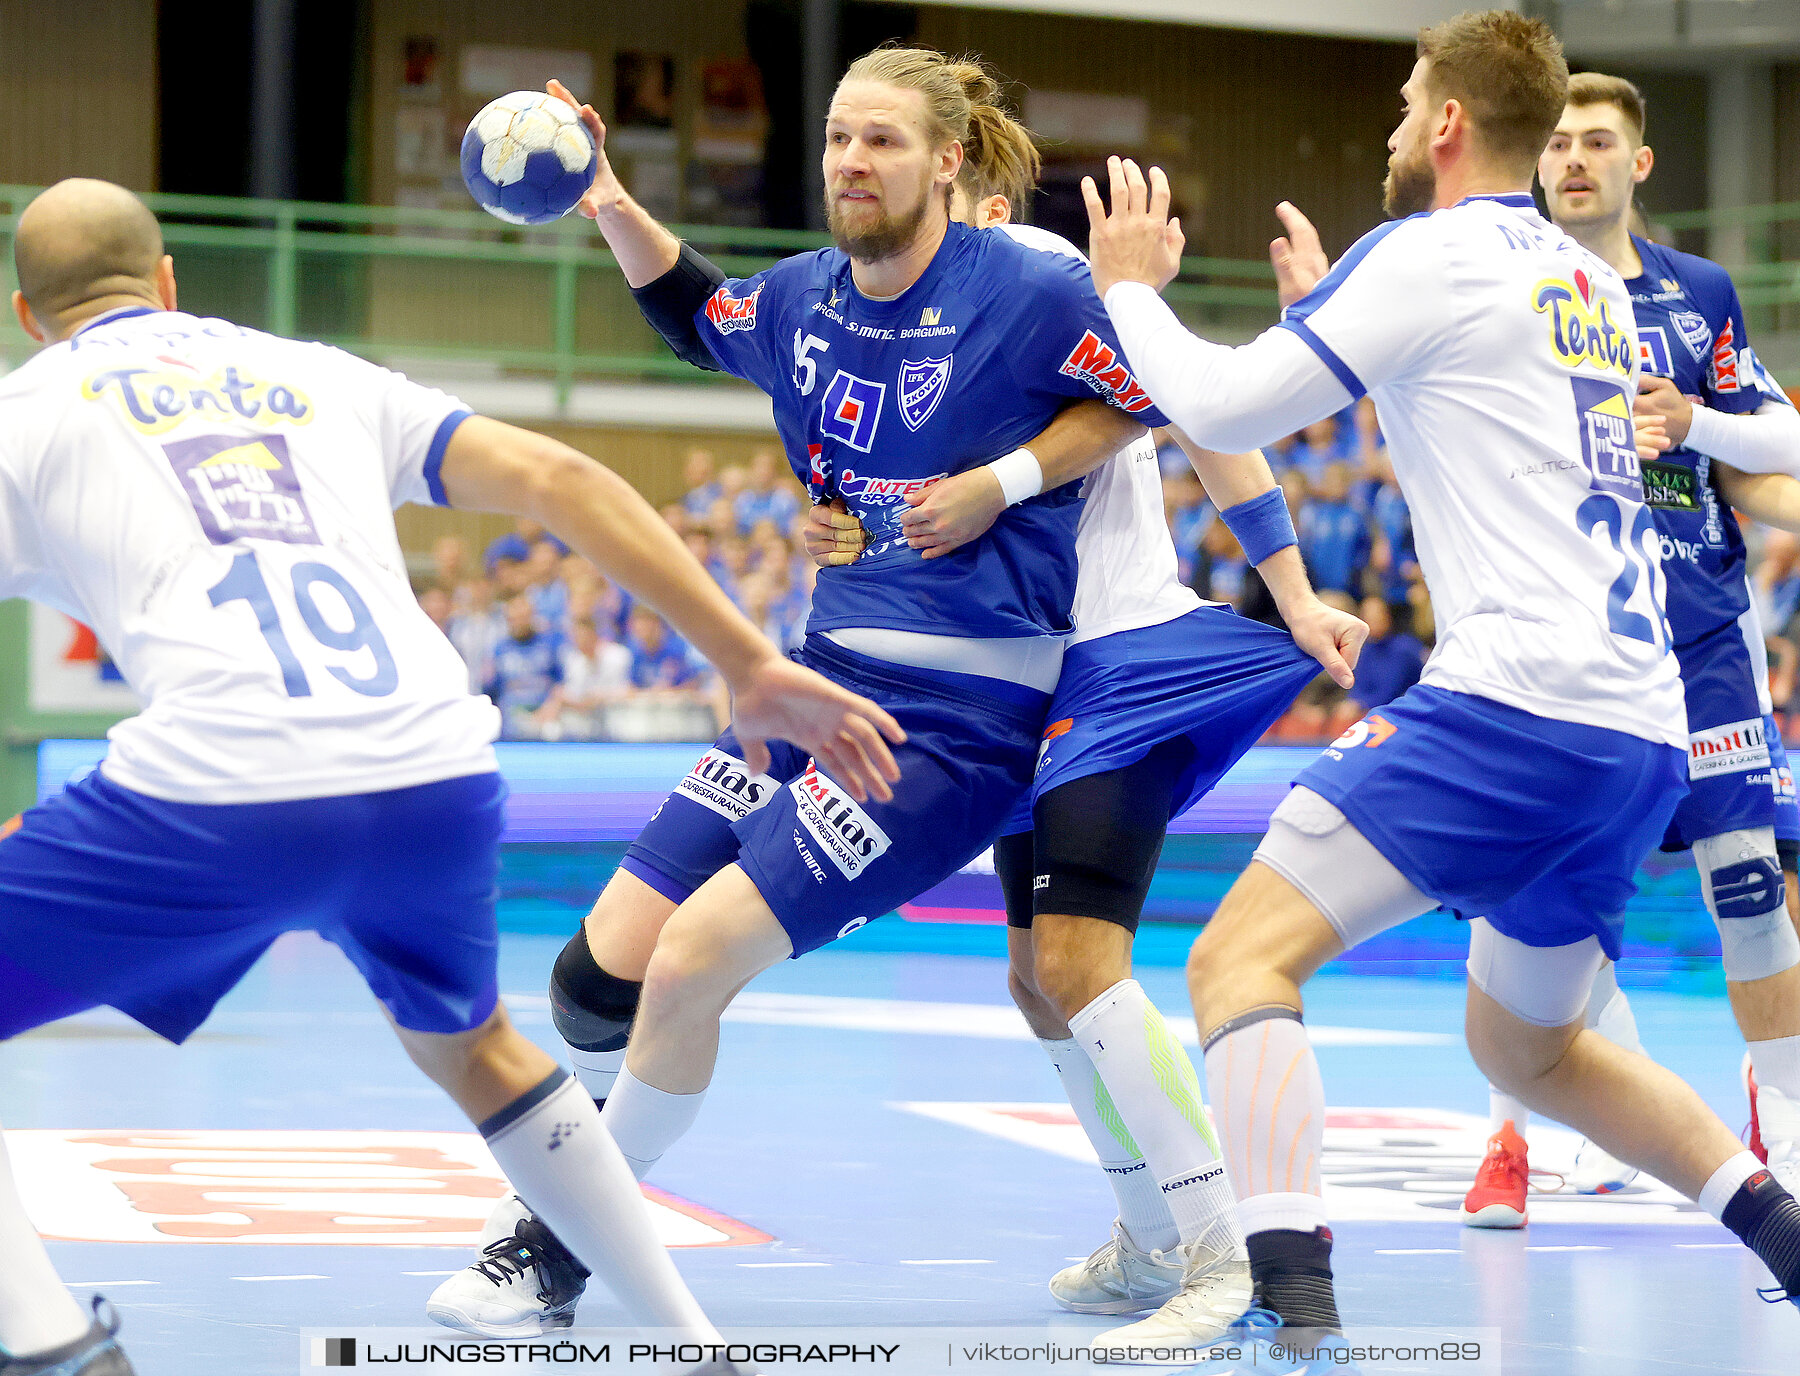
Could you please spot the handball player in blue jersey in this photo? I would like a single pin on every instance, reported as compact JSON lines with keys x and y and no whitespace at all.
{"x":1738,"y":437}
{"x":916,"y":350}
{"x":1544,"y":751}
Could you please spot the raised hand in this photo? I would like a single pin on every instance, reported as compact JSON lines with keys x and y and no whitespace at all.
{"x":1137,"y":242}
{"x":1297,"y":256}
{"x":607,"y":187}
{"x":847,"y":735}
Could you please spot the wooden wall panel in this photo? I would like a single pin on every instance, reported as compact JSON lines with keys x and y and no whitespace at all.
{"x":79,"y":97}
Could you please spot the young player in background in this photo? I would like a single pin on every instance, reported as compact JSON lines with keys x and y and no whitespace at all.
{"x":1160,"y":694}
{"x":217,"y":504}
{"x":1701,"y":374}
{"x":1544,"y":750}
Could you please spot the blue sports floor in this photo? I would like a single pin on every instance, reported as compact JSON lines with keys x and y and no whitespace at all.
{"x":882,"y":1145}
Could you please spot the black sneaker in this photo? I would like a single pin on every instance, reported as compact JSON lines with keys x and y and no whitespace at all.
{"x":94,"y":1353}
{"x":523,"y":1285}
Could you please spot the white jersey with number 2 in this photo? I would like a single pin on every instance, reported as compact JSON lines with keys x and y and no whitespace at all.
{"x":217,"y":504}
{"x":1503,"y":359}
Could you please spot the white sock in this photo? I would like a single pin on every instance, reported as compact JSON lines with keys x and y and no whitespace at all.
{"x":1270,"y":1104}
{"x":552,"y":1147}
{"x":1725,"y":1182}
{"x":36,"y":1311}
{"x":597,"y":1071}
{"x":1777,"y":1065}
{"x":1141,"y":1208}
{"x":1503,"y":1108}
{"x":646,"y":1121}
{"x":1157,"y":1094}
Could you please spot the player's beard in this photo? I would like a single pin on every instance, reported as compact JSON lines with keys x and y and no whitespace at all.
{"x":887,"y":236}
{"x":1410,"y":186}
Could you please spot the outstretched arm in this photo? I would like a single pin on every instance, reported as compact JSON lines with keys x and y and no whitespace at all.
{"x":949,"y":514}
{"x":491,"y":466}
{"x":1772,"y":498}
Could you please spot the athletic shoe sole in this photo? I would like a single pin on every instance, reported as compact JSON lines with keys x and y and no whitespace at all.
{"x":529,"y":1326}
{"x":1494,"y":1216}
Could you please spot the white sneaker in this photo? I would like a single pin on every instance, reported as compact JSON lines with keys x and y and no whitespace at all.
{"x":1597,"y":1171}
{"x":1214,"y":1295}
{"x":524,"y":1283}
{"x":1119,"y":1278}
{"x":1779,"y":1118}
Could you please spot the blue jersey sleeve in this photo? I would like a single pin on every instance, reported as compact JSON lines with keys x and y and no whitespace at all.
{"x":1735,"y":382}
{"x":738,"y":324}
{"x":1062,"y":343}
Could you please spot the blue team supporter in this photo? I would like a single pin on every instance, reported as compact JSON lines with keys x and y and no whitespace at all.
{"x":1334,"y":536}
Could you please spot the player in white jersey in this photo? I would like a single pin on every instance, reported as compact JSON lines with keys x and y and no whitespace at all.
{"x":216,"y":503}
{"x":1543,"y":752}
{"x":1160,"y":693}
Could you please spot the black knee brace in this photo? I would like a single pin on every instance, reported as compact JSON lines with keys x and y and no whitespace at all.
{"x":593,"y":1010}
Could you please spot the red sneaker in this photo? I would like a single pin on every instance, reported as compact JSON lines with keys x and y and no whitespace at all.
{"x":1497,"y":1198}
{"x":1757,"y":1149}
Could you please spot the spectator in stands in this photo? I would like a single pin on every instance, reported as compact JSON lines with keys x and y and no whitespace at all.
{"x":477,"y":630}
{"x":449,"y":562}
{"x":1220,"y":566}
{"x":527,"y":674}
{"x":435,"y":602}
{"x":1334,"y":539}
{"x":770,"y":493}
{"x":702,"y":487}
{"x":1189,"y":514}
{"x":596,"y":671}
{"x":545,"y":587}
{"x":658,"y":660}
{"x":515,"y":546}
{"x":1392,"y":658}
{"x":1315,"y":449}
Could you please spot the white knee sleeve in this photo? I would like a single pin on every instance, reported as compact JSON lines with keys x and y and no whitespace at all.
{"x":1544,"y":985}
{"x":1313,"y":846}
{"x":1740,"y":881}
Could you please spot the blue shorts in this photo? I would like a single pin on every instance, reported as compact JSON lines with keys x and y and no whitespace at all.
{"x":824,"y":863}
{"x":1731,"y":777}
{"x":158,"y":908}
{"x":1211,"y":675}
{"x":1537,"y":825}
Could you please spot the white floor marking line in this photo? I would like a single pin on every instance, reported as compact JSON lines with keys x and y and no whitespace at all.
{"x":281,"y":1277}
{"x":1586,"y":1248}
{"x":988,"y":1021}
{"x":951,"y":1261}
{"x":773,"y":1265}
{"x":433,"y":1273}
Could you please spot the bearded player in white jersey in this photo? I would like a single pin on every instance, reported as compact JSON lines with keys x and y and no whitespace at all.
{"x":1159,"y":695}
{"x":1544,"y":750}
{"x":217,"y":504}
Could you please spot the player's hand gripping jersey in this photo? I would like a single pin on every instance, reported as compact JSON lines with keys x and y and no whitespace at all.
{"x":887,"y":397}
{"x":1503,"y":364}
{"x":1691,"y":330}
{"x":217,"y":504}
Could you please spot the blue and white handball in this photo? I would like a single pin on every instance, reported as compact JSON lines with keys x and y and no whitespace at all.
{"x":527,"y":158}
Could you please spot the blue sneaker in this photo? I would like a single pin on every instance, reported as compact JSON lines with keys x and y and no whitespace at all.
{"x":94,"y":1353}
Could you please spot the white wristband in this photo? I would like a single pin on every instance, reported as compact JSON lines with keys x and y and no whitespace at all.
{"x":1020,"y":475}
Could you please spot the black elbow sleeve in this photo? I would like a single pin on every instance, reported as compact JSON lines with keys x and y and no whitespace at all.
{"x":671,"y":301}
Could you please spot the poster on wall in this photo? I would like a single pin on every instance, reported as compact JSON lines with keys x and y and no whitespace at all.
{"x":70,"y":672}
{"x":724,"y":181}
{"x":641,"y":137}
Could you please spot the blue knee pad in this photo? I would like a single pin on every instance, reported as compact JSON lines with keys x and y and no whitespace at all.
{"x":1740,"y":880}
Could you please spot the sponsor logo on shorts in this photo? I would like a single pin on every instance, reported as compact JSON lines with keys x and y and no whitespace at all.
{"x":1370,"y":732}
{"x":1093,"y":361}
{"x":847,"y":834}
{"x":728,"y":313}
{"x":1729,"y":749}
{"x":1051,"y":732}
{"x":851,"y":926}
{"x":725,"y":784}
{"x":1784,"y":786}
{"x":806,"y":858}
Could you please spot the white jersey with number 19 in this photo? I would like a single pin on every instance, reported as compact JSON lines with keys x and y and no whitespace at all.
{"x":217,"y":504}
{"x":1503,"y":360}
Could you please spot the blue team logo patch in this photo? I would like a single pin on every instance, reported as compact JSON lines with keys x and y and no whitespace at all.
{"x":852,"y":410}
{"x":1653,"y":351}
{"x":243,"y":487}
{"x":1694,"y":332}
{"x":923,"y":383}
{"x":1608,"y":439}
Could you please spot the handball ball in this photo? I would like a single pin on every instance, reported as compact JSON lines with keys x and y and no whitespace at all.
{"x":527,"y":158}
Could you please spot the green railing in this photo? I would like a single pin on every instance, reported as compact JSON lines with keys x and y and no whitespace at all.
{"x":399,"y":282}
{"x":394,"y":282}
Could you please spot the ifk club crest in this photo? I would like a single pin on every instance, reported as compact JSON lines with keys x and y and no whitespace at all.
{"x":923,"y":382}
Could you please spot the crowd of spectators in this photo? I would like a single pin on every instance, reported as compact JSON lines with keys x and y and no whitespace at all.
{"x":567,"y":655}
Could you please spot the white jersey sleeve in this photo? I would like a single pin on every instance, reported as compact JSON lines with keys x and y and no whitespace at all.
{"x":414,"y":423}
